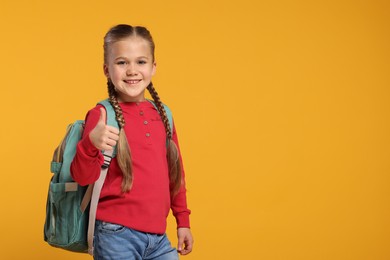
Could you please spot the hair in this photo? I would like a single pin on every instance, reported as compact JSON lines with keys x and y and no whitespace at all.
{"x":117,"y":33}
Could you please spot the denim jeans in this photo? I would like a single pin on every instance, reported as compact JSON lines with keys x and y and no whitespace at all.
{"x":117,"y":242}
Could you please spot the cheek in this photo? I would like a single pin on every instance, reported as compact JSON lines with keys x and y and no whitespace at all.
{"x":115,"y":73}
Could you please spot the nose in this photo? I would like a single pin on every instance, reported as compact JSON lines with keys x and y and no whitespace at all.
{"x":131,"y":70}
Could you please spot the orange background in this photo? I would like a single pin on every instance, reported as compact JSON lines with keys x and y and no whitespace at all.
{"x":282,"y":109}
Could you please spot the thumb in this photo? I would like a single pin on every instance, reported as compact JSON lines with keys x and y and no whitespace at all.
{"x":103,"y":115}
{"x":180,"y":244}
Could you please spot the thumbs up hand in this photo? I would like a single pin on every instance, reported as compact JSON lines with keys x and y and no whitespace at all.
{"x":103,"y":136}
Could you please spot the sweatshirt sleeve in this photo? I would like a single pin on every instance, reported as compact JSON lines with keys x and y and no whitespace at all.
{"x":86,"y":165}
{"x":179,"y":202}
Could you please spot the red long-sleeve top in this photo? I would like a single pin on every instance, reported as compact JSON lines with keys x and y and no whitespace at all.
{"x":146,"y":206}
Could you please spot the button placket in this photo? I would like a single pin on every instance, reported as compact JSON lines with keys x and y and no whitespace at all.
{"x":146,"y":126}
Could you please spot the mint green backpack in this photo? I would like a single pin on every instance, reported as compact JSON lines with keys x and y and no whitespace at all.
{"x":71,"y":208}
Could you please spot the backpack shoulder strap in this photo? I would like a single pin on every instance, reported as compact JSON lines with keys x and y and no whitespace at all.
{"x":97,"y":186}
{"x":167,"y":110}
{"x":111,"y":117}
{"x":169,"y":115}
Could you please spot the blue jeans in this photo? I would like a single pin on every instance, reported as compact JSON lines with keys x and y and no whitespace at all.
{"x":117,"y":242}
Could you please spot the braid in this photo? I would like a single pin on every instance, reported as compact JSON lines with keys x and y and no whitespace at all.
{"x":115,"y":104}
{"x":124,"y":153}
{"x":161,"y":109}
{"x":174,"y":165}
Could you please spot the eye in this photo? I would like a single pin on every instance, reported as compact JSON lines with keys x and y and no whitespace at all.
{"x":141,"y":62}
{"x":121,"y":62}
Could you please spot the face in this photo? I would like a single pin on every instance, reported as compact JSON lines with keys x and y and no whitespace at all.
{"x":130,"y":66}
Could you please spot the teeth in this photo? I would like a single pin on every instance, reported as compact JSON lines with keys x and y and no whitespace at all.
{"x":132,"y":81}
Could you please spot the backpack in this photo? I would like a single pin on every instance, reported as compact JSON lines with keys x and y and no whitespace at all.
{"x":71,"y":208}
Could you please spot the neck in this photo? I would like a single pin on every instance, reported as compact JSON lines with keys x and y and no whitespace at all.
{"x":131,"y":100}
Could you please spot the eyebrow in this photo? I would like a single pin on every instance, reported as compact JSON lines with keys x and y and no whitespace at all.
{"x":140,"y":57}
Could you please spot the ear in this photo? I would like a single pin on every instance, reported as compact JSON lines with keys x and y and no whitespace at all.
{"x":154,"y":68}
{"x":105,"y":70}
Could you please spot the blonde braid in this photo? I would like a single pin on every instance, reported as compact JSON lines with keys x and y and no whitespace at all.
{"x":123,"y":149}
{"x":174,"y":165}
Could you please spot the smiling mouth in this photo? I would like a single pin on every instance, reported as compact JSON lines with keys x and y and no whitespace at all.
{"x":132,"y":81}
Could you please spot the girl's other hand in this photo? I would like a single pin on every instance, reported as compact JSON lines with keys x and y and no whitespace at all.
{"x":103,"y":136}
{"x":185,"y":241}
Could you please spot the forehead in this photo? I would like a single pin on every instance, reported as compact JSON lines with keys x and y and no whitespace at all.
{"x":132,"y":46}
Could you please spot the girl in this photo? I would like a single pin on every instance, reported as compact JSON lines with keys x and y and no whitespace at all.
{"x":145,"y":180}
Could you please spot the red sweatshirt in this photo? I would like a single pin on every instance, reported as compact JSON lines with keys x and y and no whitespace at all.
{"x":146,"y":206}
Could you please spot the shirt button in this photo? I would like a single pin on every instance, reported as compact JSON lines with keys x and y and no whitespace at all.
{"x":141,"y":113}
{"x":145,"y":122}
{"x":147,"y":134}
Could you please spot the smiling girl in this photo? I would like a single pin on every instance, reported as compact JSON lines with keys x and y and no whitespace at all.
{"x":146,"y":178}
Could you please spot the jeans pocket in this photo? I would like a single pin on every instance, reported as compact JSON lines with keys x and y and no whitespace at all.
{"x":111,"y":227}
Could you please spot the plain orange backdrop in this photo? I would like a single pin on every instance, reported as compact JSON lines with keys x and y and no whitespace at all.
{"x":282,"y":109}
